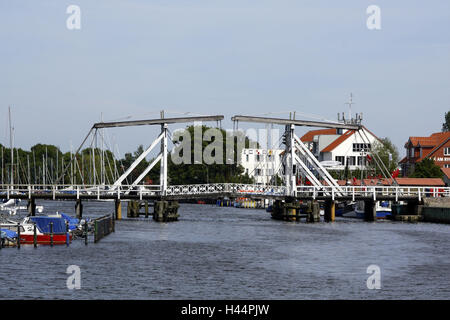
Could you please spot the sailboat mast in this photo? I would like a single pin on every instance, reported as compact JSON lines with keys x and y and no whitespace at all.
{"x":11,"y":145}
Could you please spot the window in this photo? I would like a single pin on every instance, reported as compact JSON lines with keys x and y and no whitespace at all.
{"x":351,"y":161}
{"x":362,"y":161}
{"x":446,"y":151}
{"x":446,"y":165}
{"x":246,"y":157}
{"x":258,"y":157}
{"x":340,"y":159}
{"x":358,"y":147}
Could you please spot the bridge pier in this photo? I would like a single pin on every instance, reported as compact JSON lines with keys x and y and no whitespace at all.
{"x":313,"y":212}
{"x":330,"y":210}
{"x":166,"y":211}
{"x":288,"y":210}
{"x":370,"y":210}
{"x":31,"y":206}
{"x":118,"y":209}
{"x":79,"y":209}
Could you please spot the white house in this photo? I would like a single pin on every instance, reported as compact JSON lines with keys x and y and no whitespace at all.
{"x":261,"y":164}
{"x":341,"y":146}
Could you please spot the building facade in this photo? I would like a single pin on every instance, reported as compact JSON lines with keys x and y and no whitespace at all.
{"x":261,"y":164}
{"x":337,"y":148}
{"x":435,"y":147}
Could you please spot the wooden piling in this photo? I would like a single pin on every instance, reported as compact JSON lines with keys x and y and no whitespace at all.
{"x":370,"y":210}
{"x":118,"y":209}
{"x":31,"y":206}
{"x":330,"y":210}
{"x":51,"y":234}
{"x":34,"y":235}
{"x":79,"y":209}
{"x":18,"y":236}
{"x":67,"y":233}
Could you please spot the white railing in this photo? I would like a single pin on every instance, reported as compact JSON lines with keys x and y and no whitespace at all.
{"x":373,"y":191}
{"x":99,"y":191}
{"x":235,"y":189}
{"x":216,"y":188}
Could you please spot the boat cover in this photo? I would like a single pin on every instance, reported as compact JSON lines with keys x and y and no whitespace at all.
{"x":73,"y":222}
{"x":8,"y":234}
{"x":43,"y":224}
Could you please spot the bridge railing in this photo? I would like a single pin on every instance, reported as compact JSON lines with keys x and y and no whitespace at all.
{"x":224,"y":188}
{"x":99,"y":191}
{"x":373,"y":191}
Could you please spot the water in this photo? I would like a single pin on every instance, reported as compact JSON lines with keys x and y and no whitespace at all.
{"x":228,"y":253}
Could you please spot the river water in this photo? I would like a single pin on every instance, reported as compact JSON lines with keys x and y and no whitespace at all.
{"x":229,"y":253}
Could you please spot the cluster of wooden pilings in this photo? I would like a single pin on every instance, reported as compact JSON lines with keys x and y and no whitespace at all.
{"x":293,"y":210}
{"x":164,"y":211}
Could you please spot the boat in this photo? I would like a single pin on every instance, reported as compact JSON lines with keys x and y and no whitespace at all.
{"x":12,"y":206}
{"x":383,"y":209}
{"x":47,"y":227}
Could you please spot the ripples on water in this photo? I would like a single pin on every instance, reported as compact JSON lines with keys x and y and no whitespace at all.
{"x":228,"y":253}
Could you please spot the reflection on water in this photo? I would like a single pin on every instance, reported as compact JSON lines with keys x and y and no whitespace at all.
{"x":228,"y":253}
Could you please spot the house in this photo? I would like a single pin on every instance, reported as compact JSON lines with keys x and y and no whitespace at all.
{"x":342,"y":146}
{"x":435,"y":147}
{"x":261,"y":164}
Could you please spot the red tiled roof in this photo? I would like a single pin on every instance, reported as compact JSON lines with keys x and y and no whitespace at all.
{"x":338,"y":141}
{"x":309,"y":136}
{"x":446,"y":171}
{"x":431,"y":141}
{"x":428,"y":182}
{"x":431,"y":182}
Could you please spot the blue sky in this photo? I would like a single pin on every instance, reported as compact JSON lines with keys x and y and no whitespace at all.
{"x":134,"y":58}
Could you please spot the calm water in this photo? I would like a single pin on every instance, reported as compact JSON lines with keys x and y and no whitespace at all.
{"x":228,"y":253}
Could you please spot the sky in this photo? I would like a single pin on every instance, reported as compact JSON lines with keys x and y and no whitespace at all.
{"x":133,"y":58}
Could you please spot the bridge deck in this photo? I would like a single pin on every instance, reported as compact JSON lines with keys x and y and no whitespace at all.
{"x":220,"y":190}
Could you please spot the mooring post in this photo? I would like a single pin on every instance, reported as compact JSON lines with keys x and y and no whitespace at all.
{"x":67,"y":233}
{"x":31,"y":206}
{"x":51,"y":234}
{"x":370,"y":210}
{"x":118,"y":209}
{"x":330,"y":210}
{"x":18,"y":236}
{"x":34,"y":235}
{"x":1,"y":240}
{"x":79,"y":209}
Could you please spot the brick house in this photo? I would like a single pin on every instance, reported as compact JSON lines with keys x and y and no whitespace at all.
{"x":435,"y":147}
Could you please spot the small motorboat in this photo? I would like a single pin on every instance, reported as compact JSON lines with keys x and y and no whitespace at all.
{"x":49,"y":230}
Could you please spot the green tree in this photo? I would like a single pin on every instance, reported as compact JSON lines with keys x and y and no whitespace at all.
{"x":446,"y":124}
{"x":388,"y":153}
{"x":427,"y":169}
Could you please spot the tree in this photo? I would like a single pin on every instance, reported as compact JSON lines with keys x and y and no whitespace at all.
{"x":388,"y":153}
{"x":427,"y":169}
{"x":446,"y":124}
